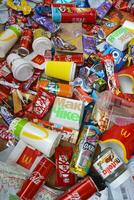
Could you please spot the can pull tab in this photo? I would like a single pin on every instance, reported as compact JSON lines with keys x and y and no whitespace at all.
{"x":61,"y":44}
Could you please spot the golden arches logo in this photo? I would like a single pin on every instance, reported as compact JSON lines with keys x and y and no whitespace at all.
{"x":37,"y":137}
{"x":8,"y":38}
{"x":26,"y":159}
{"x":125,"y":133}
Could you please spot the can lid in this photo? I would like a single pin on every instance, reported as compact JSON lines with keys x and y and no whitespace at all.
{"x":16,"y":126}
{"x":121,"y":179}
{"x":16,"y":29}
{"x":56,"y":15}
{"x":23,"y":51}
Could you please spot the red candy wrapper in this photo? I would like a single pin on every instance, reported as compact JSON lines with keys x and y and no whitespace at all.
{"x":4,"y":134}
{"x":41,"y":104}
{"x":77,"y":58}
{"x":121,"y":4}
{"x":64,"y":177}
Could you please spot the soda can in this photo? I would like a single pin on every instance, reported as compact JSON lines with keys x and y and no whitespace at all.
{"x":36,"y":179}
{"x":82,"y":190}
{"x":84,"y":151}
{"x":25,"y":42}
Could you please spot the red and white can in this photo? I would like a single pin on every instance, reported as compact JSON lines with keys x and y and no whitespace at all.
{"x":36,"y":180}
{"x":82,"y":190}
{"x":25,"y":42}
{"x":67,"y":13}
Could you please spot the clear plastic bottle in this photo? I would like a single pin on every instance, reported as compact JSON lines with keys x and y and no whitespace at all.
{"x":111,"y":168}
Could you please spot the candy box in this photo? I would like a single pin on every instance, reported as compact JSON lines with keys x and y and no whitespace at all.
{"x":67,"y":112}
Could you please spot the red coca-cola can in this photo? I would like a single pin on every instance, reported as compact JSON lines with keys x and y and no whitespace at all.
{"x":25,"y":42}
{"x":36,"y":179}
{"x":82,"y":190}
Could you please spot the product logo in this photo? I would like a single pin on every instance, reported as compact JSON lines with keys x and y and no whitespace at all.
{"x":27,"y":158}
{"x":43,"y":130}
{"x":7,"y":39}
{"x":39,"y":59}
{"x":75,"y":196}
{"x":64,"y":168}
{"x":36,"y":178}
{"x":125,"y":133}
{"x":108,"y":163}
{"x":52,"y":87}
{"x":65,"y":109}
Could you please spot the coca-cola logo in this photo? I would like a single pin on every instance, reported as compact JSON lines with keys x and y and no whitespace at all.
{"x":36,"y":178}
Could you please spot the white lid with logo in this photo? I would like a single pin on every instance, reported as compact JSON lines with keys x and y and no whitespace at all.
{"x":41,"y":44}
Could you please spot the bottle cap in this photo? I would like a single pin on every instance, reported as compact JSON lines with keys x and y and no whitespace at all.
{"x":121,"y":179}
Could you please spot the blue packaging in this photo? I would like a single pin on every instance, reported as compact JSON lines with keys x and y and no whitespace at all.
{"x":117,"y":55}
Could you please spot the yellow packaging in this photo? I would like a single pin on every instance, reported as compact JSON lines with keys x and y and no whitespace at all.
{"x":60,"y":70}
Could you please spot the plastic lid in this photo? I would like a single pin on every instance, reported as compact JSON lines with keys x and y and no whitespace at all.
{"x":41,"y":44}
{"x":56,"y":15}
{"x":121,"y":179}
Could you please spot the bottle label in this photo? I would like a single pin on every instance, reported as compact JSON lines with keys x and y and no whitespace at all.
{"x":107,"y":164}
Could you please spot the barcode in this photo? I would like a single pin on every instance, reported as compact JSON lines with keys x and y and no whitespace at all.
{"x":124,"y":194}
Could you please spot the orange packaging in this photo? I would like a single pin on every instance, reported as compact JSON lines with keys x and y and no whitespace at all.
{"x":108,"y":27}
{"x":60,"y":89}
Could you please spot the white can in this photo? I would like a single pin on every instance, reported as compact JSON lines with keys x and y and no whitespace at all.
{"x":21,"y":69}
{"x":8,"y":38}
